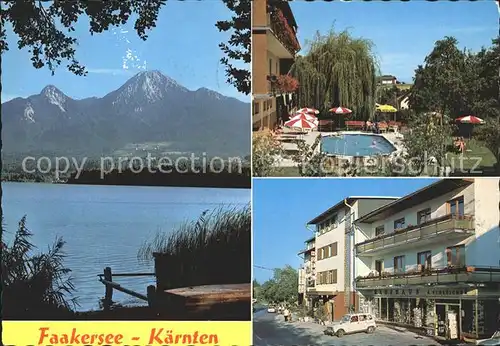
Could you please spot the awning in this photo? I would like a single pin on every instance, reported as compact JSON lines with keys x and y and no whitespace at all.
{"x":321,"y":293}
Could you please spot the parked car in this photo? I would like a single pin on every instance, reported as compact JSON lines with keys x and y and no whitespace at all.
{"x":271,"y":309}
{"x":493,"y":341}
{"x":352,"y":323}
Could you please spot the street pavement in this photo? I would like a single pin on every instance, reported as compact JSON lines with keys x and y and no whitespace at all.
{"x":272,"y":330}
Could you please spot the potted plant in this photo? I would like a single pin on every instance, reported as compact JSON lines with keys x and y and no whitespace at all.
{"x":320,"y":314}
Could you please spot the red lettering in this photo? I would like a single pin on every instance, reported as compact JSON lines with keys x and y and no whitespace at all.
{"x":85,"y":339}
{"x":118,"y":339}
{"x":43,"y":335}
{"x":75,"y":338}
{"x":154,"y":337}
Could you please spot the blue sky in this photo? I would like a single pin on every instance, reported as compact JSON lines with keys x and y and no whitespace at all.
{"x":184,"y":46}
{"x":282,"y":207}
{"x":403,"y":32}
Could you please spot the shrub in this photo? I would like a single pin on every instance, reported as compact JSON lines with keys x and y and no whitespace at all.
{"x":35,"y":286}
{"x":266,"y":154}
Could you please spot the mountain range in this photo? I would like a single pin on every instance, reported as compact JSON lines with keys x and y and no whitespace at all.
{"x":149,"y":111}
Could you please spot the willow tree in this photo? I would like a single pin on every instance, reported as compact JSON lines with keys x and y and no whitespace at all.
{"x":338,"y":70}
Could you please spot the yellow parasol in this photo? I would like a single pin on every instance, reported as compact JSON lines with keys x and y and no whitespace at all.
{"x":385,"y":108}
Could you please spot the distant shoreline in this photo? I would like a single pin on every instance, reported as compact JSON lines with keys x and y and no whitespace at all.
{"x":134,"y":185}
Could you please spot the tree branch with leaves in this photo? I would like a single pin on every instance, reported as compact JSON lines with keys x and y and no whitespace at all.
{"x":44,"y":27}
{"x":238,"y":47}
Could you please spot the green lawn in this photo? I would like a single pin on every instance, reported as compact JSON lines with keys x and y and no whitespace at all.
{"x":475,"y":152}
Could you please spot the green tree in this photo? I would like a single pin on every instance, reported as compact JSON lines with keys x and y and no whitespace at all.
{"x":489,"y":134}
{"x":338,"y":70}
{"x":238,"y":48}
{"x":440,"y":84}
{"x":282,"y":287}
{"x":256,"y":294}
{"x":428,"y":139}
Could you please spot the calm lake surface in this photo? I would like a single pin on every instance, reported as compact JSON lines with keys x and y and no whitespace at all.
{"x":104,"y":226}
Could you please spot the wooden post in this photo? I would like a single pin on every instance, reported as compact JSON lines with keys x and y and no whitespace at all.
{"x":108,"y":297}
{"x":151,"y":296}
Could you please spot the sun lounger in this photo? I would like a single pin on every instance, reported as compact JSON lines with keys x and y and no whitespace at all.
{"x":355,"y":124}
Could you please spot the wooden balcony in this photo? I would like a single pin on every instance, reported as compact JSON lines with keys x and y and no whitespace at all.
{"x":448,"y":227}
{"x":440,"y":276}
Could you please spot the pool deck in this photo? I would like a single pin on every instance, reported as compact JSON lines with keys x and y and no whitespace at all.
{"x":395,"y":138}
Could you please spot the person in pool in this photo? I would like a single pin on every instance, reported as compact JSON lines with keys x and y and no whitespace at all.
{"x":374,"y":145}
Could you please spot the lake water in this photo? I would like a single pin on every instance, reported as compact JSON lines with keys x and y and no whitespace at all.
{"x":356,"y":145}
{"x":104,"y":226}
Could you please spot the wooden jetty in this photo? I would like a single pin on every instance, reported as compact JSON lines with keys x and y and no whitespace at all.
{"x":208,"y":302}
{"x":226,"y":302}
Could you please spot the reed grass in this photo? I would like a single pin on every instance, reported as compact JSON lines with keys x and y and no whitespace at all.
{"x":215,"y":249}
{"x":35,"y":285}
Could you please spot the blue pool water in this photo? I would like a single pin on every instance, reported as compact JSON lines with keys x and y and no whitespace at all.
{"x":356,"y":145}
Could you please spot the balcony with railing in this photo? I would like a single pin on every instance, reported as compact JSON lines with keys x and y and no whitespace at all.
{"x":310,"y":284}
{"x":284,"y":34}
{"x":445,"y":275}
{"x":448,"y":227}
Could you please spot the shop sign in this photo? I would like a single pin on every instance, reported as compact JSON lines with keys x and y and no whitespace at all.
{"x":421,"y":292}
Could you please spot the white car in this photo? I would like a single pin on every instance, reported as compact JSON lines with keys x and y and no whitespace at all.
{"x":352,"y":323}
{"x":493,"y":341}
{"x":271,"y":309}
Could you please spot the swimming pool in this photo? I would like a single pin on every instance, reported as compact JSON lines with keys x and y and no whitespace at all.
{"x":356,"y":145}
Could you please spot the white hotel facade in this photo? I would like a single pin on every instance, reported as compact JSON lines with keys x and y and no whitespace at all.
{"x":428,"y":261}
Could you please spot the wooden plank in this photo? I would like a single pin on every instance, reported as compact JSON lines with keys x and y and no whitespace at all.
{"x":230,"y":291}
{"x":134,"y":274}
{"x":210,"y":295}
{"x":116,"y":286}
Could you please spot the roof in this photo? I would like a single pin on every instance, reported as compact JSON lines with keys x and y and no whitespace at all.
{"x":305,"y":251}
{"x":386,"y":76}
{"x":329,"y":212}
{"x":426,"y":193}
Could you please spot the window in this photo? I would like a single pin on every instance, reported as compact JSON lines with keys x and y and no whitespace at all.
{"x":333,"y":276}
{"x":456,"y":206}
{"x":333,"y":249}
{"x":354,"y":319}
{"x":320,"y":254}
{"x":270,"y":67}
{"x":399,"y":264}
{"x":423,"y":216}
{"x":456,"y":256}
{"x":379,"y":231}
{"x":328,"y":251}
{"x":379,"y":266}
{"x":424,"y":259}
{"x":399,"y":223}
{"x":255,"y":107}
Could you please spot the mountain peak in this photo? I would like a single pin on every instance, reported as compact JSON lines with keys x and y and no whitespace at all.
{"x":147,"y":87}
{"x":209,"y":92}
{"x":54,"y":96}
{"x":50,"y":89}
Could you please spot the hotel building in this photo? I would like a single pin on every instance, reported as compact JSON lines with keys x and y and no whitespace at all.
{"x":307,"y":272}
{"x":274,"y":47}
{"x":431,"y":260}
{"x":333,"y":249}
